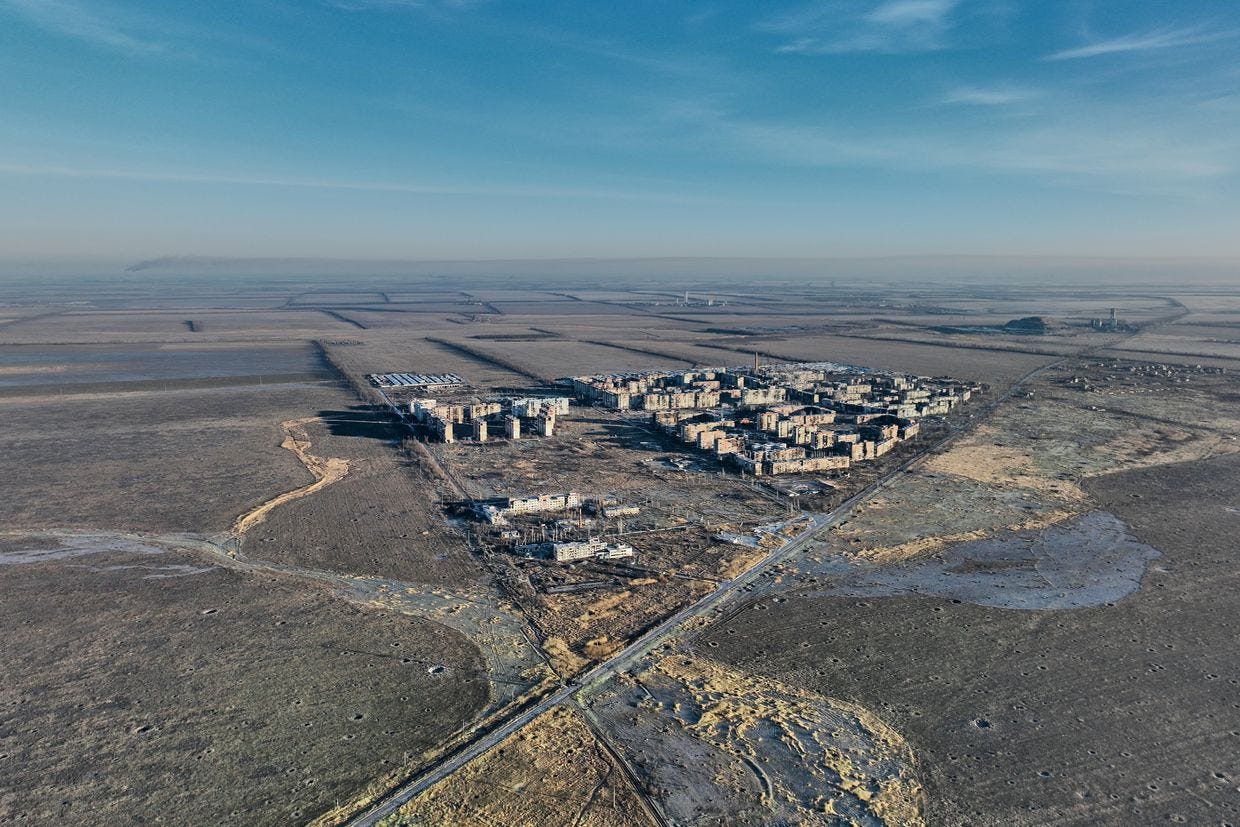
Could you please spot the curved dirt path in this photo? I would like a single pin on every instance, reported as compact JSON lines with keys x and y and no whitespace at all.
{"x":326,"y":470}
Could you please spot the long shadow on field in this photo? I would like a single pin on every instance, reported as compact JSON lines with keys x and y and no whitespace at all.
{"x":361,"y":421}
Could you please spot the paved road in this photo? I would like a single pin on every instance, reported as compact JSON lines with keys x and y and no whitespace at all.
{"x":666,"y":631}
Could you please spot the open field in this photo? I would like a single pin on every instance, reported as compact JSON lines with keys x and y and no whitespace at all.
{"x":382,"y":519}
{"x":192,"y":324}
{"x":64,"y":368}
{"x":1117,"y":713}
{"x":143,"y":683}
{"x":188,"y":460}
{"x":990,"y":366}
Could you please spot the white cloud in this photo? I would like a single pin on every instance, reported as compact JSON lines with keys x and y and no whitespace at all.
{"x":71,"y":19}
{"x":847,"y":26}
{"x":912,"y":12}
{"x":1144,"y":42}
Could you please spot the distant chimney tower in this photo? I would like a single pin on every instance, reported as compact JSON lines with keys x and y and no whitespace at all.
{"x":755,"y":360}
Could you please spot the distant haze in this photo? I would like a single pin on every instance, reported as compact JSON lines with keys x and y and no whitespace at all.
{"x":695,"y":272}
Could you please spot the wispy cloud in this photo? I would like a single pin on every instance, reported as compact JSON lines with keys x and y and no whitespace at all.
{"x":108,"y":25}
{"x":849,"y":26}
{"x":911,"y":12}
{"x":93,"y":25}
{"x":410,"y":188}
{"x":425,"y":5}
{"x":1081,"y":149}
{"x":1144,"y":42}
{"x":988,"y":96}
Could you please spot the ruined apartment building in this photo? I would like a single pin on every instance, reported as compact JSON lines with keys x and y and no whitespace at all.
{"x":512,"y":418}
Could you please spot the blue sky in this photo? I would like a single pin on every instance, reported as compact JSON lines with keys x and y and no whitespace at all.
{"x":498,"y":128}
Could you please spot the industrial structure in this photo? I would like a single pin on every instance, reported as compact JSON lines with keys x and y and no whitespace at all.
{"x":416,"y":381}
{"x":1111,"y":323}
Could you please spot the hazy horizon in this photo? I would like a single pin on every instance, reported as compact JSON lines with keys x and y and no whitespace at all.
{"x":944,"y":271}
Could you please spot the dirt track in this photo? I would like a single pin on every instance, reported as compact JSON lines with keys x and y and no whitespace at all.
{"x":326,"y":470}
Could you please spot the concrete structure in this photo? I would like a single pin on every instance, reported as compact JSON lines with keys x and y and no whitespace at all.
{"x":498,"y":510}
{"x":530,"y":407}
{"x":543,"y":502}
{"x":573,"y":550}
{"x":485,"y":418}
{"x":445,"y":430}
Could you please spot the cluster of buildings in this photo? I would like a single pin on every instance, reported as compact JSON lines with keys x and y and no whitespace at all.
{"x":480,"y":421}
{"x":781,"y":419}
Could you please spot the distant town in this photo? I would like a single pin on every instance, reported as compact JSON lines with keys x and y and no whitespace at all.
{"x":781,"y":419}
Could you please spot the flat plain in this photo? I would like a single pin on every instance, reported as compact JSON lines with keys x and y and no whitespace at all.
{"x":237,"y":588}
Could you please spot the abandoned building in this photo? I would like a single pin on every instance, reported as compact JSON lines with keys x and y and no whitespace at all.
{"x":497,"y":510}
{"x":482,"y":421}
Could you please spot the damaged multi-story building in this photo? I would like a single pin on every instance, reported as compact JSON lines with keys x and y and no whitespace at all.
{"x":510,"y":418}
{"x":498,"y":509}
{"x":568,"y":551}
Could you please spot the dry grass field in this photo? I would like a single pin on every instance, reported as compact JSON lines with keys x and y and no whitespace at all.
{"x":64,"y":369}
{"x":189,"y":460}
{"x":141,"y":683}
{"x":1121,"y":713}
{"x":381,"y":520}
{"x":96,"y":327}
